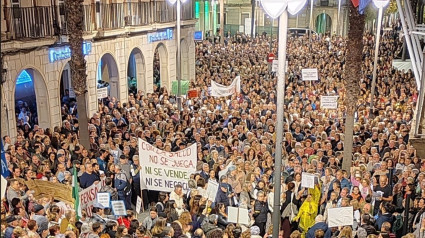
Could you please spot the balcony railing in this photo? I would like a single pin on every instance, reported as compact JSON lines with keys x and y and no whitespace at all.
{"x":42,"y":22}
{"x":30,"y":22}
{"x":137,"y":13}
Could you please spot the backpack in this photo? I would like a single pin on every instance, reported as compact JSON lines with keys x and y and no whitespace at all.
{"x":398,"y":223}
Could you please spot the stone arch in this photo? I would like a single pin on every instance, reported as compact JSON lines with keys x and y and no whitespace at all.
{"x":108,"y":75}
{"x":163,"y":63}
{"x":323,"y":23}
{"x":184,"y":44}
{"x":41,"y":95}
{"x":137,"y":68}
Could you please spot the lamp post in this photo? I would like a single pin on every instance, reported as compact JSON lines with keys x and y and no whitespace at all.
{"x":275,"y":9}
{"x":380,"y":4}
{"x":178,"y":60}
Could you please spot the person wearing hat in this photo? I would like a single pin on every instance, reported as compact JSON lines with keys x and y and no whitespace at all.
{"x":40,"y":218}
{"x":12,"y":222}
{"x":222,"y":195}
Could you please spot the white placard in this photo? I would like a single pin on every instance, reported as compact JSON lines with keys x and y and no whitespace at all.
{"x":162,"y":170}
{"x":329,"y":102}
{"x":342,"y":216}
{"x":212,"y":190}
{"x":102,"y":93}
{"x":71,"y":93}
{"x":275,"y":66}
{"x":238,"y":215}
{"x":138,"y":204}
{"x":310,"y":75}
{"x":307,"y":180}
{"x":118,"y":208}
{"x":219,"y":90}
{"x":103,"y":199}
{"x":3,"y":187}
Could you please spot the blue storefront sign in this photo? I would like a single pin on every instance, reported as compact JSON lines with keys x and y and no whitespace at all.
{"x":160,"y":35}
{"x":64,"y":52}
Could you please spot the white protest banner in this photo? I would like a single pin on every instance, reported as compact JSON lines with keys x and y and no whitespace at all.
{"x":3,"y":187}
{"x":118,"y":208}
{"x":162,"y":171}
{"x":238,"y":215}
{"x":103,"y":199}
{"x":212,"y":190}
{"x":102,"y":93}
{"x":329,"y":102}
{"x":219,"y":90}
{"x":138,"y":204}
{"x":307,"y":180}
{"x":310,"y":75}
{"x":88,"y":196}
{"x":342,"y":216}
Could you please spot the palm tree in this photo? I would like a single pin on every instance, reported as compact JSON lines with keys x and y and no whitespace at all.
{"x":74,"y":17}
{"x":352,"y":74}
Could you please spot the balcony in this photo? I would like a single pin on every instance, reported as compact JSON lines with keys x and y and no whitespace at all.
{"x":46,"y":22}
{"x":30,"y":23}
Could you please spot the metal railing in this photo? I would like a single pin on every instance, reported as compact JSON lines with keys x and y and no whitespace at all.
{"x":41,"y":22}
{"x":30,"y":22}
{"x":137,"y":13}
{"x":112,"y":16}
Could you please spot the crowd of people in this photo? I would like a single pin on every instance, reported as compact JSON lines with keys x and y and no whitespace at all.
{"x":386,"y":176}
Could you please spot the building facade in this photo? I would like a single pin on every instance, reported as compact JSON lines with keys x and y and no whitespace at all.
{"x":238,"y":14}
{"x":127,"y":44}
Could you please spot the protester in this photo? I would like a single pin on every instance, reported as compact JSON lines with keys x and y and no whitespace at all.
{"x":235,"y":139}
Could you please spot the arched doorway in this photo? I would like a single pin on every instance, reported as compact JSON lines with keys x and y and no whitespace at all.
{"x":160,"y":67}
{"x":31,"y":100}
{"x":323,"y":23}
{"x":136,"y":71}
{"x":107,"y":75}
{"x":184,"y":60}
{"x":65,"y":90}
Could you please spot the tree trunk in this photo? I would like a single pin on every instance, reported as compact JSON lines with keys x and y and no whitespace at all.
{"x":352,"y":79}
{"x":74,"y":16}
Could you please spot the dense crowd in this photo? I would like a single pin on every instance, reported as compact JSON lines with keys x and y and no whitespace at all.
{"x":238,"y":130}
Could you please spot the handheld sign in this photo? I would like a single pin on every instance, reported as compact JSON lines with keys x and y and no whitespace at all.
{"x":329,"y":102}
{"x":307,"y":180}
{"x":193,"y":93}
{"x":118,"y":208}
{"x":212,"y":190}
{"x":104,"y":199}
{"x":238,"y":215}
{"x":342,"y":216}
{"x":310,"y":75}
{"x":102,"y":93}
{"x":138,"y":204}
{"x":3,"y":187}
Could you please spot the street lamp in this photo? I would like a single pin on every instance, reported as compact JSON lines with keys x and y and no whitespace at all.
{"x":179,"y":53}
{"x":275,"y":9}
{"x":380,"y":4}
